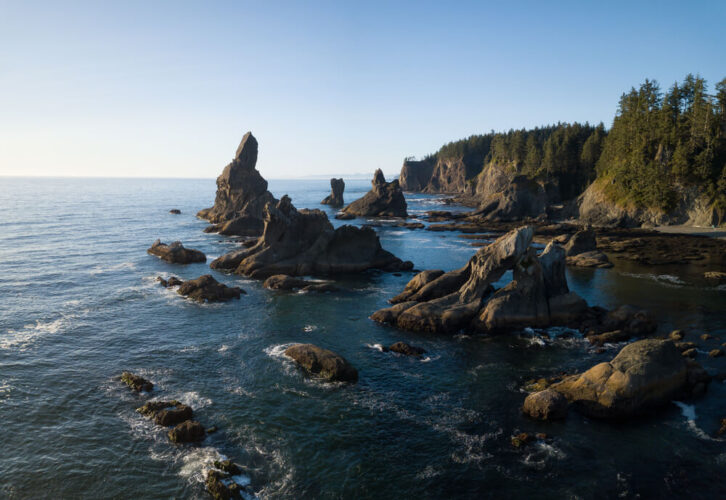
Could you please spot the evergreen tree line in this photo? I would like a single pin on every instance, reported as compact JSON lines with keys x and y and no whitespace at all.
{"x":656,"y":141}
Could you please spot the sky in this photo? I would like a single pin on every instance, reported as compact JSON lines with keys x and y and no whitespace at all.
{"x":167,"y":89}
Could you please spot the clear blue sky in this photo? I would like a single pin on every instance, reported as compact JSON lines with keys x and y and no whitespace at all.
{"x":163,"y":89}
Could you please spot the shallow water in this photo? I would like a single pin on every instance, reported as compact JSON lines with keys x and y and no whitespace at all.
{"x":80,"y":304}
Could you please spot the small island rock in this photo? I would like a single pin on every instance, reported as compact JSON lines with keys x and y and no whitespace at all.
{"x":175,"y":253}
{"x":322,"y":362}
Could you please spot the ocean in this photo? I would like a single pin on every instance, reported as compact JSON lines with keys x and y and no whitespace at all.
{"x":79,"y":304}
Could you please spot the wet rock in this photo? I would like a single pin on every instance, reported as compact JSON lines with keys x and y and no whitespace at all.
{"x":716,"y":353}
{"x":384,"y":199}
{"x":715,"y":275}
{"x":136,"y":382}
{"x":406,"y":349}
{"x":322,"y":362}
{"x":227,"y":466}
{"x":284,"y":282}
{"x":335,"y":199}
{"x":546,"y":405}
{"x":241,"y":194}
{"x":189,"y":431}
{"x":175,"y":211}
{"x":707,"y":336}
{"x":173,"y":281}
{"x":212,"y":429}
{"x":677,"y":335}
{"x":166,"y":413}
{"x":644,"y":375}
{"x":684,"y":346}
{"x":689,"y":353}
{"x":176,"y":253}
{"x":345,"y":216}
{"x":303,"y":242}
{"x":609,"y":337}
{"x":522,"y":439}
{"x":207,"y":289}
{"x":220,"y":485}
{"x":590,"y":259}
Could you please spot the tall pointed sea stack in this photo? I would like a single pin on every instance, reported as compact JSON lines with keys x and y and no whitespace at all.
{"x":241,"y":195}
{"x":335,"y":198}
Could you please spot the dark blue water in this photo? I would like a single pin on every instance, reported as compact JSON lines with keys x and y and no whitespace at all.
{"x":79,"y":304}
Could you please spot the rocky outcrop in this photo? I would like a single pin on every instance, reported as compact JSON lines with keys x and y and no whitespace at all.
{"x":692,"y":208}
{"x":322,"y":362}
{"x":384,"y":199}
{"x":189,"y":431}
{"x":406,"y":349}
{"x":175,"y":211}
{"x":289,"y":283}
{"x":136,"y":382}
{"x":303,"y":242}
{"x":335,"y":198}
{"x":465,"y":298}
{"x":521,"y":198}
{"x":207,"y":289}
{"x":241,"y":195}
{"x":221,"y":485}
{"x":415,"y":175}
{"x":644,"y":375}
{"x":172,"y":281}
{"x":176,"y":253}
{"x":546,"y":405}
{"x":166,"y":413}
{"x":581,"y":250}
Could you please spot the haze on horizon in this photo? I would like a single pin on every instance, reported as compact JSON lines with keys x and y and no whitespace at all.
{"x":167,"y":90}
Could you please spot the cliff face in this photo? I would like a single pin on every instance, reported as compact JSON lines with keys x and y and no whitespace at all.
{"x":693,"y":208}
{"x":241,"y":194}
{"x":415,"y":175}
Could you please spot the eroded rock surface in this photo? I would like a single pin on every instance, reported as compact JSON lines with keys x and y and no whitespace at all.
{"x":384,"y":199}
{"x":241,"y":195}
{"x":335,"y":198}
{"x":207,"y":289}
{"x":465,"y":298}
{"x":644,"y":375}
{"x":304,"y":243}
{"x":175,"y":253}
{"x":322,"y":362}
{"x":189,"y":431}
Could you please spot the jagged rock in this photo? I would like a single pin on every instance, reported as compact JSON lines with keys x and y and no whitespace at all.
{"x":166,"y":413}
{"x":173,"y":281}
{"x":189,"y":431}
{"x":175,"y":211}
{"x":644,"y":375}
{"x":384,"y":199}
{"x":207,"y":289}
{"x":322,"y":362}
{"x":546,"y":405}
{"x":300,"y":243}
{"x":447,"y":302}
{"x":136,"y":382}
{"x":241,"y":195}
{"x":335,"y":199}
{"x":406,"y":349}
{"x":176,"y":253}
{"x":521,"y":199}
{"x":221,"y":486}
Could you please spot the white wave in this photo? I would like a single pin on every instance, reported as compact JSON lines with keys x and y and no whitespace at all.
{"x":689,"y":412}
{"x":663,"y":279}
{"x":32,"y":332}
{"x":377,"y":347}
{"x":194,"y":399}
{"x":428,"y":473}
{"x":429,"y":359}
{"x":309,"y":328}
{"x":223,"y":348}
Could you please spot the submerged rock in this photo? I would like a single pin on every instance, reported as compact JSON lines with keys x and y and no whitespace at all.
{"x":189,"y":431}
{"x":406,"y":349}
{"x":173,"y":281}
{"x":644,"y":375}
{"x":241,"y":195}
{"x":176,"y":253}
{"x":322,"y":362}
{"x":207,"y":289}
{"x":384,"y":199}
{"x":335,"y":198}
{"x":303,"y":242}
{"x":447,"y":302}
{"x":175,"y":211}
{"x":546,"y":405}
{"x":136,"y":382}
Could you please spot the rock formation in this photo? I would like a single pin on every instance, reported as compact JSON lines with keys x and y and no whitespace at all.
{"x":644,"y":375}
{"x":538,"y":295}
{"x":335,"y":198}
{"x":303,"y":242}
{"x":581,"y":250}
{"x":288,"y":283}
{"x":136,"y":382}
{"x":207,"y":289}
{"x":189,"y":431}
{"x":166,"y":413}
{"x":521,"y":198}
{"x":322,"y":362}
{"x":241,"y":195}
{"x":176,"y":253}
{"x":415,"y":175}
{"x":384,"y":199}
{"x":546,"y":405}
{"x":406,"y":349}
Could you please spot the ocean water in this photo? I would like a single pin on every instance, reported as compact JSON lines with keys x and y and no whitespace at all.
{"x":79,"y":304}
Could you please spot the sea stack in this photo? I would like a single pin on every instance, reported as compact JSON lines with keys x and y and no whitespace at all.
{"x":384,"y":199}
{"x":241,"y":195}
{"x":335,"y":199}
